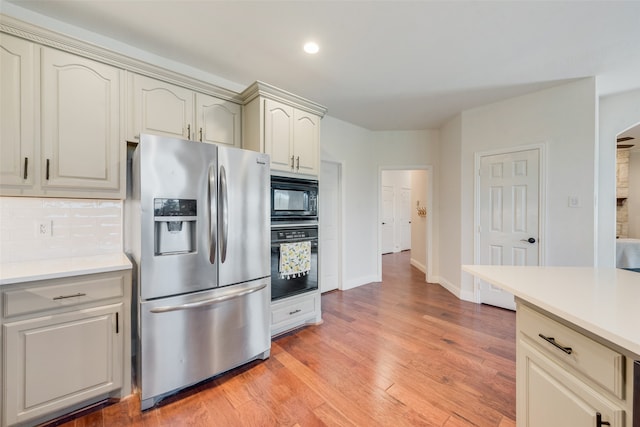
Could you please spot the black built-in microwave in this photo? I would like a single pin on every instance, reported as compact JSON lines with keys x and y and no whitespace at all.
{"x":293,"y":199}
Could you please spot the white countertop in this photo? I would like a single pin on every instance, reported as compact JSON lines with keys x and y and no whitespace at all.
{"x":605,"y":302}
{"x":20,"y":272}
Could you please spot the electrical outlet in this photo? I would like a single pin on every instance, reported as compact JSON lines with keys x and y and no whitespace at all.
{"x":43,"y":228}
{"x":574,"y":202}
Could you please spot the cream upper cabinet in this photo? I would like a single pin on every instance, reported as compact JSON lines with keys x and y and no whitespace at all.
{"x":278,"y":134}
{"x":17,"y":121}
{"x":218,"y":121}
{"x":306,"y":131}
{"x":61,"y":137}
{"x":81,"y":118}
{"x":162,"y":108}
{"x":284,"y":126}
{"x":291,"y":138}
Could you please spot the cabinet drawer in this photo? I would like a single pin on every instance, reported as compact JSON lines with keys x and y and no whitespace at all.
{"x":30,"y":299}
{"x":592,"y":359}
{"x":292,"y":310}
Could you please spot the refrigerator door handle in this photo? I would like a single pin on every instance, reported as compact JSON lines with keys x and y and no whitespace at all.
{"x":210,"y":301}
{"x":212,"y":214}
{"x":224,"y":214}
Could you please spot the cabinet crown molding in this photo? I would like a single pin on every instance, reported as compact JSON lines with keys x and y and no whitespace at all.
{"x":259,"y":88}
{"x":62,"y":42}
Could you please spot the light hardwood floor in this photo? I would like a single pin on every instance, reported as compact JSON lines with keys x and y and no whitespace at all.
{"x":397,"y":353}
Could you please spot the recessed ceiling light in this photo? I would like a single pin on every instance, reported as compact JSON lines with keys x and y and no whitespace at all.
{"x":311,"y":47}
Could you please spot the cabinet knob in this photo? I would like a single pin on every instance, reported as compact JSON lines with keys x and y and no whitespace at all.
{"x":200,"y":134}
{"x":188,"y":131}
{"x":298,"y":163}
{"x":291,"y":162}
{"x":26,"y":163}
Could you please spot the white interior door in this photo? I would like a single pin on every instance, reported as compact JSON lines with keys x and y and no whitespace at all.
{"x":329,"y":226}
{"x":509,"y":216}
{"x":405,"y":219}
{"x":387,"y":218}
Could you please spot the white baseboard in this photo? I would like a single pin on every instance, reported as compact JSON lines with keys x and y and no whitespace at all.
{"x":418,"y":265}
{"x":354,"y":283}
{"x":455,"y":290}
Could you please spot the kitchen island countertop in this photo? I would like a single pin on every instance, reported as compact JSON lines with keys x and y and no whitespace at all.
{"x":21,"y":272}
{"x":604,"y":301}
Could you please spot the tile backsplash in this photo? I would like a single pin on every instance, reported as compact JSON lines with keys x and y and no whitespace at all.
{"x":70,"y":228}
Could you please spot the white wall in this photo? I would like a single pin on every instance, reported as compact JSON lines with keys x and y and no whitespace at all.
{"x":419,"y":189}
{"x":447,"y":247}
{"x":351,"y":145}
{"x":364,"y":154}
{"x":617,"y":113}
{"x":564,"y":119}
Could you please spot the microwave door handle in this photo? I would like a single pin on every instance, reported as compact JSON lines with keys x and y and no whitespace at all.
{"x":224,"y":214}
{"x":212,"y":214}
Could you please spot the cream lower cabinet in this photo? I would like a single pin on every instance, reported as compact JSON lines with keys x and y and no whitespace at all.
{"x":65,"y":345}
{"x":162,"y":108}
{"x":567,"y":379}
{"x":294,"y":312}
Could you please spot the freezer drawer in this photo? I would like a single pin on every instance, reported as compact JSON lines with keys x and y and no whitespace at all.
{"x":189,"y":338}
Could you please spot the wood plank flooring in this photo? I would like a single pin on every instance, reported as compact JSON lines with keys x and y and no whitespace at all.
{"x":397,"y":353}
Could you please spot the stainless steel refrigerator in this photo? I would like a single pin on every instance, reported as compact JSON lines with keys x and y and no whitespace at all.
{"x":198,"y":234}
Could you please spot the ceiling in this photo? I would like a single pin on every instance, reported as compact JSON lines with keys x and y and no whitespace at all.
{"x":382,"y":65}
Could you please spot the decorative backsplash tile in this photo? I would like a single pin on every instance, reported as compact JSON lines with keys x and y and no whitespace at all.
{"x":32,"y":228}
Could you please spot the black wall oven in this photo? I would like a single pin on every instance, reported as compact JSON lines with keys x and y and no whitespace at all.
{"x":294,"y":259}
{"x":293,"y":199}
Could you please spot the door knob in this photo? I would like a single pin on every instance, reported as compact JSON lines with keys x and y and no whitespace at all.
{"x":529,"y":240}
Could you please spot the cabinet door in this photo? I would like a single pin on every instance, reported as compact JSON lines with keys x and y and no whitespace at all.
{"x":81,"y":117}
{"x":55,"y":361}
{"x":17,"y":121}
{"x":160,"y":108}
{"x":278,"y":137}
{"x":306,"y":133}
{"x":550,"y":396}
{"x":217,"y":121}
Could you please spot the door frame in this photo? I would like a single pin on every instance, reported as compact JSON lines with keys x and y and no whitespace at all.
{"x":341,"y":216}
{"x":430,"y":209}
{"x":542,"y":208}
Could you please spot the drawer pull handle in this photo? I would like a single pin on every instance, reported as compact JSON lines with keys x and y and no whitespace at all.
{"x":553,"y":342}
{"x":599,"y":422}
{"x":79,"y":294}
{"x":291,"y":313}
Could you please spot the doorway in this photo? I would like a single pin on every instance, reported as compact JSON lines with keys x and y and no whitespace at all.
{"x":508,"y":220}
{"x":405,"y":220}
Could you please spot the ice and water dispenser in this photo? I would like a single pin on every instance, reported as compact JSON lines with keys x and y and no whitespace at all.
{"x":175,"y":226}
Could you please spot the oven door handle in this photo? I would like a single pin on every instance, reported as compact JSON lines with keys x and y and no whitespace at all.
{"x":304,"y":239}
{"x":206,"y":302}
